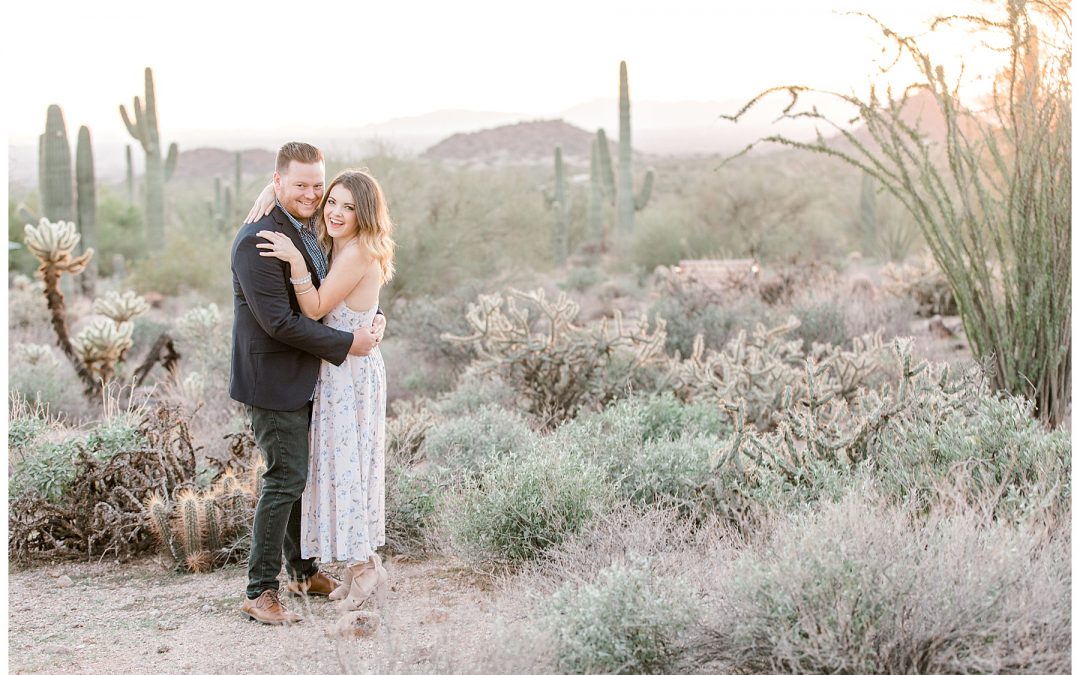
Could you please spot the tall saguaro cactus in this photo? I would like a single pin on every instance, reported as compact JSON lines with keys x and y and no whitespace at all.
{"x":54,"y":169}
{"x":559,"y":201}
{"x":130,"y":176}
{"x":145,"y":130}
{"x":86,"y":201}
{"x":601,"y":186}
{"x":626,"y":203}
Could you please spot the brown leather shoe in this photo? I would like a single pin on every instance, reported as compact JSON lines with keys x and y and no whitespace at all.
{"x":267,"y":608}
{"x":320,"y":584}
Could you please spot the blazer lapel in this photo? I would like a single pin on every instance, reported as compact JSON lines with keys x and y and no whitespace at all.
{"x":288,"y":228}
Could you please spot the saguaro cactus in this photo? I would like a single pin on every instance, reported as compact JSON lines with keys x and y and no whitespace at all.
{"x":54,"y":169}
{"x":130,"y":175}
{"x":601,"y":186}
{"x":626,"y":202}
{"x":86,"y":202}
{"x":559,"y":201}
{"x":238,"y":182}
{"x":145,"y":130}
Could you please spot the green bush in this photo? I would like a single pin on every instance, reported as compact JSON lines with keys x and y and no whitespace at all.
{"x":471,"y":442}
{"x":50,"y":383}
{"x":821,"y":320}
{"x":627,"y":620}
{"x":476,"y":390}
{"x":46,"y":469}
{"x":524,"y":504}
{"x":412,"y":503}
{"x":121,"y":231}
{"x":695,"y":312}
{"x":665,"y":471}
{"x":859,"y":588}
{"x":996,"y":453}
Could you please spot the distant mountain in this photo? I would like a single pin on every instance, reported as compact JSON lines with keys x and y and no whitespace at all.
{"x":524,"y":141}
{"x":203,"y":163}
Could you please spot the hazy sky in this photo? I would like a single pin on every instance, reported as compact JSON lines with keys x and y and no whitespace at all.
{"x":231,"y":65}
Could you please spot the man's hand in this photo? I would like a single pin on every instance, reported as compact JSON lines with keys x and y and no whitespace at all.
{"x":378,"y":326}
{"x":363,"y":341}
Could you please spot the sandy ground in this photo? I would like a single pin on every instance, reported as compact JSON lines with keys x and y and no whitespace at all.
{"x":140,"y":618}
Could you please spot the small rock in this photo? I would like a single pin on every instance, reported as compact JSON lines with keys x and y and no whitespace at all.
{"x":422,"y":654}
{"x":207,"y":608}
{"x":162,"y":649}
{"x":167,"y":625}
{"x":357,"y":624}
{"x":57,"y":649}
{"x":65,"y":582}
{"x":938,"y":328}
{"x":54,"y":573}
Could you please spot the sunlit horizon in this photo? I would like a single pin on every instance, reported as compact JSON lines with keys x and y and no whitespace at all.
{"x":217,"y":67}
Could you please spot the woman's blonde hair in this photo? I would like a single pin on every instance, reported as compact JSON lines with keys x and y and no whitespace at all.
{"x":374,"y":227}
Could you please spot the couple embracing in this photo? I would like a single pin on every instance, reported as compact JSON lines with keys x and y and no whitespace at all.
{"x":307,"y":269}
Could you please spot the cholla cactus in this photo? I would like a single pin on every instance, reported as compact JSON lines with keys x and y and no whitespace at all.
{"x":35,"y":354}
{"x":54,"y":244}
{"x":556,"y":366}
{"x":102,"y":344}
{"x":121,"y":308}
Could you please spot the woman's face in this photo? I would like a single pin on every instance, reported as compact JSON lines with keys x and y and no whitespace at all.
{"x":339,"y":215}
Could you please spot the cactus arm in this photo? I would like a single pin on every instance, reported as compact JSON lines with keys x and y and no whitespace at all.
{"x":151,"y":109}
{"x":132,"y":129}
{"x":170,"y":161}
{"x":642,"y":198}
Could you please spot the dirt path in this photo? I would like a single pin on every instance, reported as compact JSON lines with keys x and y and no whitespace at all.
{"x":139,"y":618}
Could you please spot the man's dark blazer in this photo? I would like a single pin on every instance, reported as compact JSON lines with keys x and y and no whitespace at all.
{"x":276,"y":349}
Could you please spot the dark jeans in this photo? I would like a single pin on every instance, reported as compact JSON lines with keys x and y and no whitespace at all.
{"x":283,"y":439}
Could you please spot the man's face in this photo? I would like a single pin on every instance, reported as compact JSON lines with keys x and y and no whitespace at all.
{"x":300,"y":188}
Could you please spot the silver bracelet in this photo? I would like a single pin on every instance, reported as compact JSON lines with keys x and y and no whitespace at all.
{"x":298,"y":294}
{"x":297,"y":282}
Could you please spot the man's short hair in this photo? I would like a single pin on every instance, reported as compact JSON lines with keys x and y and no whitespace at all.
{"x":305,"y":153}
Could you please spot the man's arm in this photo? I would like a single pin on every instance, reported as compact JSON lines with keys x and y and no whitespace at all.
{"x":263,"y":283}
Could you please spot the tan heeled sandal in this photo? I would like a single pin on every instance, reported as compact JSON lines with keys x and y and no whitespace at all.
{"x":342,"y":591}
{"x":369,"y":579}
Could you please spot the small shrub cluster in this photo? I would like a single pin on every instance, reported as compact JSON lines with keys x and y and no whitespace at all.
{"x":861,"y":588}
{"x":628,"y":619}
{"x":471,"y":442}
{"x":413,"y":500}
{"x":924,"y":283}
{"x":96,"y":507}
{"x":525,"y":504}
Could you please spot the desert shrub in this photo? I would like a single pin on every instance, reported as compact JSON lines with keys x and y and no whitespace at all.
{"x":46,"y":381}
{"x":666,"y":471}
{"x":120,"y":231}
{"x":191,"y":259}
{"x":923,"y":283}
{"x":524,"y":504}
{"x":205,"y":339}
{"x":628,"y":619}
{"x":406,"y":429}
{"x":46,"y":470}
{"x":471,"y":442}
{"x":97,"y":508}
{"x":27,"y":309}
{"x":581,"y":279}
{"x":821,"y":319}
{"x":694,"y":310}
{"x":889,"y":314}
{"x":861,"y":588}
{"x":412,"y":508}
{"x":995,"y":455}
{"x":475,"y":390}
{"x":557,"y":367}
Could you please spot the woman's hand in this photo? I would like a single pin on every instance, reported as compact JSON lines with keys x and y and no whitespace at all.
{"x":263,"y":205}
{"x":280,"y":247}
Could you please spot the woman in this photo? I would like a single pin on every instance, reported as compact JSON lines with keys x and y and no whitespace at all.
{"x":344,"y":500}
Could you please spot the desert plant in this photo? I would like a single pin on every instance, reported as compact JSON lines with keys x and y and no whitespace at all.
{"x":144,"y":129}
{"x":198,"y":531}
{"x":626,"y":202}
{"x":925,"y":284}
{"x":99,"y":507}
{"x":557,"y":367}
{"x":524,"y":504}
{"x":886,"y":232}
{"x":628,"y":619}
{"x":991,"y":198}
{"x":413,"y":499}
{"x":558,"y":200}
{"x":860,"y":588}
{"x":471,"y":442}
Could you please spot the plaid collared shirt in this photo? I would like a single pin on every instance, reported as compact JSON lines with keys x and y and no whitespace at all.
{"x":311,"y":243}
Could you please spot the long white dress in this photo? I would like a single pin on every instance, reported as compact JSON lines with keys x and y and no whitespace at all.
{"x":344,"y":504}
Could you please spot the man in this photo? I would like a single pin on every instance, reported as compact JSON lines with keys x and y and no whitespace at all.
{"x":275,"y":364}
